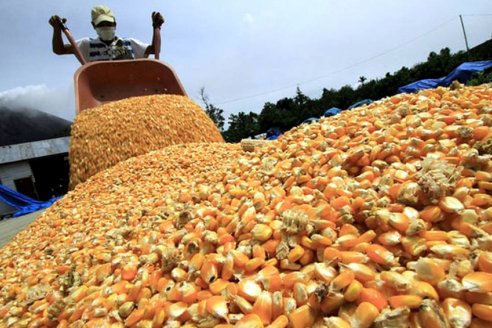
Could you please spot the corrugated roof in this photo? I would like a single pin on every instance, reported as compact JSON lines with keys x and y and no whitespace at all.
{"x":29,"y":150}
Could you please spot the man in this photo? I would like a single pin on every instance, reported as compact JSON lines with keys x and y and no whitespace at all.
{"x":107,"y":46}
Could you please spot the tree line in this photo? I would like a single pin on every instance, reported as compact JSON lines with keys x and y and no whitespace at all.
{"x":290,"y":112}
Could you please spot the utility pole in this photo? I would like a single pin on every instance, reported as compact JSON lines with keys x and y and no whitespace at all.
{"x":464,"y":33}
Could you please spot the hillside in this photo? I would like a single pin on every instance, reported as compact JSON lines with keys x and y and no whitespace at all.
{"x":26,"y":125}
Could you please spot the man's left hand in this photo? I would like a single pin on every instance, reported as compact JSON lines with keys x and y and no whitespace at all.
{"x":157,"y":19}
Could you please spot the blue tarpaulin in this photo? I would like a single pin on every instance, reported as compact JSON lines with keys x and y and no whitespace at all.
{"x":332,"y":112}
{"x":360,"y":103}
{"x":462,"y":73}
{"x":273,"y":133}
{"x":310,"y":120}
{"x":21,"y":202}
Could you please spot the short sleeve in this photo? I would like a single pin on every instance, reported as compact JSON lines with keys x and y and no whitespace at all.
{"x":138,"y":47}
{"x":83,"y":45}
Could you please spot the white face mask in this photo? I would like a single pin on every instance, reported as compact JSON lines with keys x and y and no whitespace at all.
{"x":106,"y":33}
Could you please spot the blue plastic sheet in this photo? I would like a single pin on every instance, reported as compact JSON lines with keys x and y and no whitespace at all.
{"x":23,"y":203}
{"x":462,"y":73}
{"x":332,"y":112}
{"x":311,"y":120}
{"x":360,"y":103}
{"x":273,"y":133}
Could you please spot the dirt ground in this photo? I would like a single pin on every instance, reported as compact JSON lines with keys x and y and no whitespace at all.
{"x":11,"y":226}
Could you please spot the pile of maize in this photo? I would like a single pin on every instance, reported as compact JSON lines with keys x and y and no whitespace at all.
{"x":108,"y":134}
{"x":378,"y":217}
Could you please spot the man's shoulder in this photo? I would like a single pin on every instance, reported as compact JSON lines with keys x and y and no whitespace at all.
{"x":86,"y":39}
{"x":134,"y":43}
{"x":89,"y":40}
{"x":133,"y":40}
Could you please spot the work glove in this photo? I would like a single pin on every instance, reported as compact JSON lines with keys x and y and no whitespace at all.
{"x":56,"y":21}
{"x":157,"y":19}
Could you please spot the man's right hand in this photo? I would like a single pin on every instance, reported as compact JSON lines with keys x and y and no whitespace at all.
{"x":56,"y":21}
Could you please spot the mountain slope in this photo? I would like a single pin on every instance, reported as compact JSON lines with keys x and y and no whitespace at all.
{"x":26,"y":125}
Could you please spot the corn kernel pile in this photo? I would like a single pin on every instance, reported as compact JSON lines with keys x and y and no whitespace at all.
{"x":378,"y":217}
{"x":113,"y":132}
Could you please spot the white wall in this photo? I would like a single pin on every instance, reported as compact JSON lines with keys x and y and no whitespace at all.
{"x":8,"y":173}
{"x":13,"y":171}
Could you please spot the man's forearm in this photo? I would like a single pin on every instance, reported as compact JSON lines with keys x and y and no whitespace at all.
{"x":156,"y":38}
{"x":58,"y":45}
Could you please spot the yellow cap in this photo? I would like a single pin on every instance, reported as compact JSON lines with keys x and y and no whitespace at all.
{"x":102,"y":14}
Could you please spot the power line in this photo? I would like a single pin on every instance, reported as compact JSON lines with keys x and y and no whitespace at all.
{"x":477,"y":15}
{"x":336,"y":71}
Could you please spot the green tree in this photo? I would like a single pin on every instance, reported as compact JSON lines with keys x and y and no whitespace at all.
{"x":481,"y":78}
{"x":241,"y":126}
{"x":216,"y":114}
{"x":270,"y":116}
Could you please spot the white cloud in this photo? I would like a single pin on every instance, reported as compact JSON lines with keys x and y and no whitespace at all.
{"x":56,"y":101}
{"x":248,"y":18}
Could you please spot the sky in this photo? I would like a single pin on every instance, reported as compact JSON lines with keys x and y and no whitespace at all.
{"x":243,"y":52}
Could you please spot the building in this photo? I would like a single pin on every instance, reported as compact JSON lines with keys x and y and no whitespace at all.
{"x":37,"y":169}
